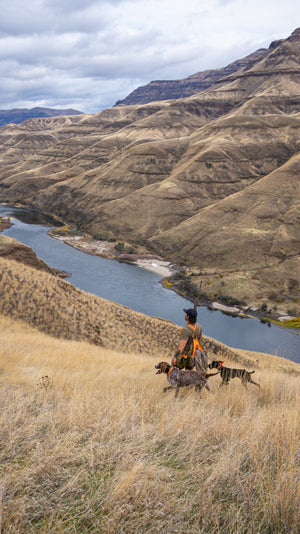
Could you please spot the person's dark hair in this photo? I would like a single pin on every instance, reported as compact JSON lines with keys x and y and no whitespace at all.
{"x":192,"y":315}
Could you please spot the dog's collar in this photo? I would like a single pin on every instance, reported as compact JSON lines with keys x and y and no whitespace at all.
{"x":170,"y":370}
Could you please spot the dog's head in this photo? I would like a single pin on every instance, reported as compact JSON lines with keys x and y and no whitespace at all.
{"x":215,"y":364}
{"x":162,"y":367}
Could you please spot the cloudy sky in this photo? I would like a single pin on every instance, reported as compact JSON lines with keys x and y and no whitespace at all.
{"x":87,"y":54}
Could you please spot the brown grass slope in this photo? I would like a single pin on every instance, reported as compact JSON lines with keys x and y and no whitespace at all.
{"x":135,"y":172}
{"x":88,"y":442}
{"x":58,"y":308}
{"x":255,"y":232}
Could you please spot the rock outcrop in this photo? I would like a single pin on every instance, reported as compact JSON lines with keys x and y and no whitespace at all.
{"x":196,"y":83}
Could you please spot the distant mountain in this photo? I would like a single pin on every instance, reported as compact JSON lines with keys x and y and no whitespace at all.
{"x":18,"y":115}
{"x":196,"y":83}
{"x":210,"y":181}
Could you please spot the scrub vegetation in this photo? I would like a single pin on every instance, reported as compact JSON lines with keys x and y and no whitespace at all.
{"x":290,"y":323}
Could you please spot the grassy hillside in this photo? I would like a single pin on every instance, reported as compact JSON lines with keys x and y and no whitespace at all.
{"x":89,"y":442}
{"x":264,"y":255}
{"x":58,"y":308}
{"x":97,"y":447}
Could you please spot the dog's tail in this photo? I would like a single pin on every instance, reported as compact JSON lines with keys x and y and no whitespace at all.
{"x":251,"y":372}
{"x":212,"y":374}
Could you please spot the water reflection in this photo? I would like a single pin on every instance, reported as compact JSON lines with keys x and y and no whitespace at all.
{"x":30,"y":216}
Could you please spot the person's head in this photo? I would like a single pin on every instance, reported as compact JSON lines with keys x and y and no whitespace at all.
{"x":191,"y":315}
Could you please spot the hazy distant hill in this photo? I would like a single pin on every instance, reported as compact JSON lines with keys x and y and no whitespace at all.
{"x":196,"y":83}
{"x":18,"y":115}
{"x":212,"y":180}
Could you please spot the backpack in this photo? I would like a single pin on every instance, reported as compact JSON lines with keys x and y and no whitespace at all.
{"x":196,"y":344}
{"x":198,"y":359}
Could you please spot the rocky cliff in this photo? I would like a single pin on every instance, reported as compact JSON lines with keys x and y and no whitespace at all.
{"x":196,"y":83}
{"x":211,"y":180}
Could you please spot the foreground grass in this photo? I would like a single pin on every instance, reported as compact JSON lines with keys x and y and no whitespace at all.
{"x":96,"y":446}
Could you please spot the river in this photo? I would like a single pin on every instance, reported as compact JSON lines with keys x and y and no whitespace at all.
{"x":140,"y":289}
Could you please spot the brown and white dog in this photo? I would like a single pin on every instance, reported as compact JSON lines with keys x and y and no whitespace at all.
{"x":179,"y":378}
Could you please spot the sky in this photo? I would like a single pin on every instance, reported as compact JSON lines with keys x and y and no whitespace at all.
{"x":87,"y":54}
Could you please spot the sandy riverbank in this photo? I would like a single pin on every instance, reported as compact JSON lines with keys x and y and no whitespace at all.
{"x":88,"y":245}
{"x":160,"y":267}
{"x":105,"y":249}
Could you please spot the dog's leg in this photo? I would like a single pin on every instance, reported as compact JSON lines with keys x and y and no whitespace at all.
{"x":256,"y":384}
{"x":208,"y":387}
{"x":176,"y":392}
{"x":224,"y":382}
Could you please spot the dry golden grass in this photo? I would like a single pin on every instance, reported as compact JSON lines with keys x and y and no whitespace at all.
{"x":97,"y":447}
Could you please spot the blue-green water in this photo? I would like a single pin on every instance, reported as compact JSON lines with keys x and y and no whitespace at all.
{"x":141,"y":290}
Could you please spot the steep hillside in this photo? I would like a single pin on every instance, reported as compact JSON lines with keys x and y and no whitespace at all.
{"x":260,"y":227}
{"x":211,"y":171}
{"x":196,"y":83}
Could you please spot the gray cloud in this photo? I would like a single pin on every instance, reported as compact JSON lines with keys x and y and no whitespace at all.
{"x":60,"y":53}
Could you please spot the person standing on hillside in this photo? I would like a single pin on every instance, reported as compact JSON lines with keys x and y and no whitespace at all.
{"x":189,"y":353}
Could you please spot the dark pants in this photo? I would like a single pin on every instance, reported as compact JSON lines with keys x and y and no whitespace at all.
{"x":199,"y":361}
